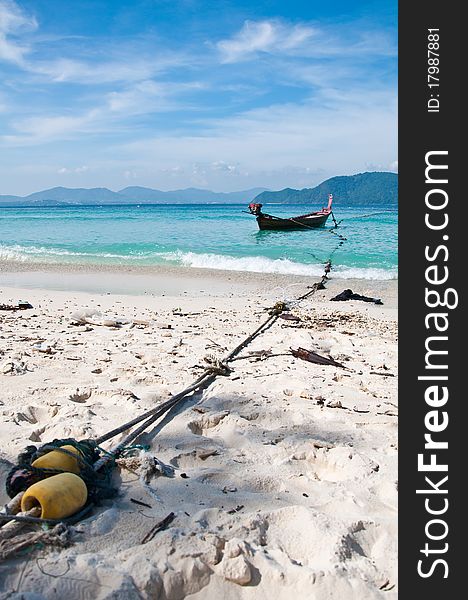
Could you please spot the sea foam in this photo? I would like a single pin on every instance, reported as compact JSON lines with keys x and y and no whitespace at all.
{"x":251,"y":264}
{"x":283,"y":266}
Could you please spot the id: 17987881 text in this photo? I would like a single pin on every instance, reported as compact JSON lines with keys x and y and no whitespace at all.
{"x":433,"y":59}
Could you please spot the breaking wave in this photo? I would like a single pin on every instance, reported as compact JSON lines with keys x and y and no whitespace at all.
{"x":40,"y":254}
{"x":283,"y":266}
{"x":252,"y":264}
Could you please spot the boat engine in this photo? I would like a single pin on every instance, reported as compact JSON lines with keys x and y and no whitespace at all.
{"x":255,"y":209}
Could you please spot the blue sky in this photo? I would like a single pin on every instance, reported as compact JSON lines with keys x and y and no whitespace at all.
{"x":225,"y":95}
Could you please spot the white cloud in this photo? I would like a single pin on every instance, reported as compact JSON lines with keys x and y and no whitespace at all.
{"x":263,"y":36}
{"x":124,"y":63}
{"x":111,"y":114}
{"x":177,"y":170}
{"x":127,"y":67}
{"x":149,"y":96}
{"x":13,"y":21}
{"x":218,"y":166}
{"x":133,"y":97}
{"x":281,"y":144}
{"x":306,"y":40}
{"x":342,"y":117}
{"x":3,"y":103}
{"x":221,"y":165}
{"x":50,"y":127}
{"x":71,"y":70}
{"x":77,"y":170}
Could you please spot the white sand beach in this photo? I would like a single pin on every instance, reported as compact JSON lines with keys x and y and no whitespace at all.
{"x":284,"y":473}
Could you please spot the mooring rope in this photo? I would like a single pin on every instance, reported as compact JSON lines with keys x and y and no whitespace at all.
{"x":375,"y":214}
{"x":208,"y":377}
{"x":95,"y":459}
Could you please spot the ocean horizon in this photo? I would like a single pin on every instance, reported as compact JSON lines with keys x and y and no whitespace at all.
{"x":211,"y":236}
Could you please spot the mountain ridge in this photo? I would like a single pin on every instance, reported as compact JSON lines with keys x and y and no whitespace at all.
{"x":369,"y":188}
{"x":364,"y":189}
{"x":129,"y":195}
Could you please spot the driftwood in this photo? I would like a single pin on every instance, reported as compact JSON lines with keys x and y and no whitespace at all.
{"x":140,"y":503}
{"x":383,"y":374}
{"x":13,"y":506}
{"x":12,"y":528}
{"x":164,"y":524}
{"x":313,"y":357}
{"x":58,"y":536}
{"x":289,"y":317}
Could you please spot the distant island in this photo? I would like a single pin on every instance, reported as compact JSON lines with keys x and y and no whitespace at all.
{"x":376,"y":188}
{"x":363,"y":189}
{"x":61,"y":196}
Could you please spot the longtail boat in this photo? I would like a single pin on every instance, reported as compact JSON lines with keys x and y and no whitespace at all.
{"x":310,"y":220}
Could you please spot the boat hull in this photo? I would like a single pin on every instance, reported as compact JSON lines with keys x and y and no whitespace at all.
{"x":267,"y":222}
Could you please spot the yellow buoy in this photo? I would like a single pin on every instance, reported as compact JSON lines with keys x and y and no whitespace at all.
{"x":55,"y":459}
{"x":58,"y":496}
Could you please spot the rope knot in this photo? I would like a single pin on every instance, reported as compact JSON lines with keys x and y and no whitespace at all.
{"x":215,"y":365}
{"x":278,"y":308}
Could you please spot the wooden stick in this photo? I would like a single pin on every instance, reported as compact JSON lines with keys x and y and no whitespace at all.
{"x":164,"y":524}
{"x":12,"y":528}
{"x":13,"y":506}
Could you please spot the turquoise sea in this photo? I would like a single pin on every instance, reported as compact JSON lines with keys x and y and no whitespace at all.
{"x":212,"y":236}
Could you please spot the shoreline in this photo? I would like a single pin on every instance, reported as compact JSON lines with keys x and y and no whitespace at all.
{"x":173,"y":280}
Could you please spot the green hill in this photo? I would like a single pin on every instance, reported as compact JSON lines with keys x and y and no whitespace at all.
{"x":130,"y":195}
{"x":363,"y":189}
